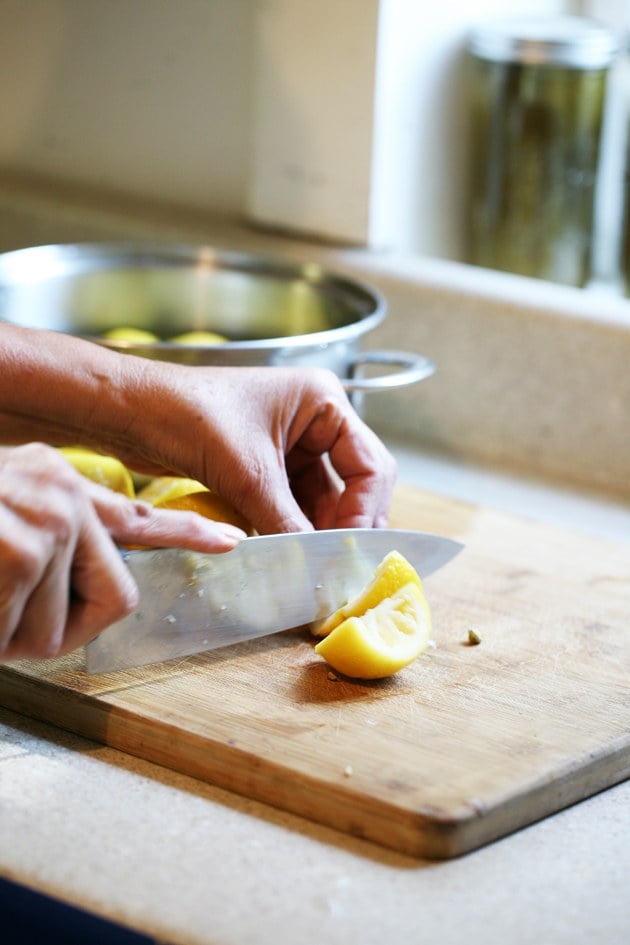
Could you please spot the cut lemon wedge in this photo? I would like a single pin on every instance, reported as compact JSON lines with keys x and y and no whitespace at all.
{"x":383,"y":639}
{"x":393,"y":572}
{"x":164,"y":488}
{"x":177,"y":492}
{"x":105,"y":470}
{"x":211,"y":506}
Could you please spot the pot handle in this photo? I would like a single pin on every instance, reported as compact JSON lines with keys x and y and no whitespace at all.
{"x":414,"y":368}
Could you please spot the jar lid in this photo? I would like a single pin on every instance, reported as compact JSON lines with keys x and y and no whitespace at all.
{"x":573,"y":41}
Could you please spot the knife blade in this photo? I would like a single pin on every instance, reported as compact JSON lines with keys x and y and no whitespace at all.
{"x":192,"y":602}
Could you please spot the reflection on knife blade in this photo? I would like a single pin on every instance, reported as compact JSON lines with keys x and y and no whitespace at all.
{"x":194,"y":602}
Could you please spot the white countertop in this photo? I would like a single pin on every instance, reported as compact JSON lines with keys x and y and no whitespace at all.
{"x":191,"y":863}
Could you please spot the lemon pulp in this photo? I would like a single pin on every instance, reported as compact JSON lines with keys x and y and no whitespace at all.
{"x":175,"y":492}
{"x":164,"y":488}
{"x":382,"y":640}
{"x":381,"y":630}
{"x":393,"y":572}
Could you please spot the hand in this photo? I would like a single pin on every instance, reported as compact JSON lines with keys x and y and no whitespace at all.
{"x":299,"y":455}
{"x":284,"y":445}
{"x":62,"y":580}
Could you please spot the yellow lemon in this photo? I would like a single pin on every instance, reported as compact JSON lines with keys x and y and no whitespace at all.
{"x":211,"y":506}
{"x":393,"y":572}
{"x":163,"y":488}
{"x":383,"y":640}
{"x":177,"y":492}
{"x":199,"y":338}
{"x":106,"y":470}
{"x":126,"y":333}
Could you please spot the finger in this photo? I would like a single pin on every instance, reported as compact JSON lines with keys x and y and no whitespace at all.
{"x":41,"y":624}
{"x":316,"y":488}
{"x":369,"y":474}
{"x":23,"y":565}
{"x":262,"y":492}
{"x":84,"y":588}
{"x":132,"y":522}
{"x":103,"y":590}
{"x":46,"y":515}
{"x":359,"y":458}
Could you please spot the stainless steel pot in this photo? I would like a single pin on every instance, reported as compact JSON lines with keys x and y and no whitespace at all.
{"x":272,"y":312}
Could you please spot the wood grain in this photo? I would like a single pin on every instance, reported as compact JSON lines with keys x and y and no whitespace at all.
{"x":464,"y":746}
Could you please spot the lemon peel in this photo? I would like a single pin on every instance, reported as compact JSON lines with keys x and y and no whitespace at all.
{"x":164,"y":488}
{"x":127,"y":333}
{"x":105,"y":470}
{"x":178,"y":492}
{"x":210,"y":505}
{"x":383,"y":640}
{"x":199,"y":338}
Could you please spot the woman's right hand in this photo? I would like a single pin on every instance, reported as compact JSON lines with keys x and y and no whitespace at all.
{"x":62,"y":579}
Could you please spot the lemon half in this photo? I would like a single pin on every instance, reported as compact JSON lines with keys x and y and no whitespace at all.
{"x":382,"y":640}
{"x":211,"y":506}
{"x":393,"y":572}
{"x":177,"y":492}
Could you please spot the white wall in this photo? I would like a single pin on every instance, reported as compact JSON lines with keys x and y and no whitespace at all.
{"x":339,"y":119}
{"x":361,"y":131}
{"x":314,"y":80}
{"x":150,"y":97}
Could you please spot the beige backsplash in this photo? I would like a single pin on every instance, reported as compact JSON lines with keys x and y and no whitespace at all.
{"x":532,"y":377}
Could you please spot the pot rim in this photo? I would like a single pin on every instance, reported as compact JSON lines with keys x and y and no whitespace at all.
{"x":34,"y":264}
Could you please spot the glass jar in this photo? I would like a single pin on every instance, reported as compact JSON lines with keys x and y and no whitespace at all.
{"x":625,"y":220}
{"x":538,"y":93}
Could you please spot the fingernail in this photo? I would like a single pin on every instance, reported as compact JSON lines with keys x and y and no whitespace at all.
{"x":231,"y":532}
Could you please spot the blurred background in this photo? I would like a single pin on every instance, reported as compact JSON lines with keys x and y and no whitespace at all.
{"x":346,"y":122}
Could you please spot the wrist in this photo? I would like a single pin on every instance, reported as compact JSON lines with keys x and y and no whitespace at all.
{"x":60,"y":389}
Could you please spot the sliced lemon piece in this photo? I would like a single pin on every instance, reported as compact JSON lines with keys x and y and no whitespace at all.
{"x":106,"y":470}
{"x":127,"y":333}
{"x":211,"y":506}
{"x":199,"y":338}
{"x":177,"y":492}
{"x":164,"y":488}
{"x":383,"y":640}
{"x":393,"y":572}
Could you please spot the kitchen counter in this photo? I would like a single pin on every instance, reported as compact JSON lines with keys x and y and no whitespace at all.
{"x":532,"y":389}
{"x":190,"y":863}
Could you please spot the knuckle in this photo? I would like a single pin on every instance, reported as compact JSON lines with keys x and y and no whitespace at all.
{"x":42,"y":461}
{"x":123,"y":598}
{"x":325,"y":381}
{"x":132,"y":519}
{"x":21,"y":563}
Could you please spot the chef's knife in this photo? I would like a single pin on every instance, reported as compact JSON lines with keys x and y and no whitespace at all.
{"x":191,"y":602}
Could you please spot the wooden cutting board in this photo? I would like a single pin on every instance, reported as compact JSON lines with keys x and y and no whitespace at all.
{"x":464,"y":746}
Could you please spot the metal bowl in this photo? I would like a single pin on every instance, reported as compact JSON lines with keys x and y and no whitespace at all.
{"x":271,"y":312}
